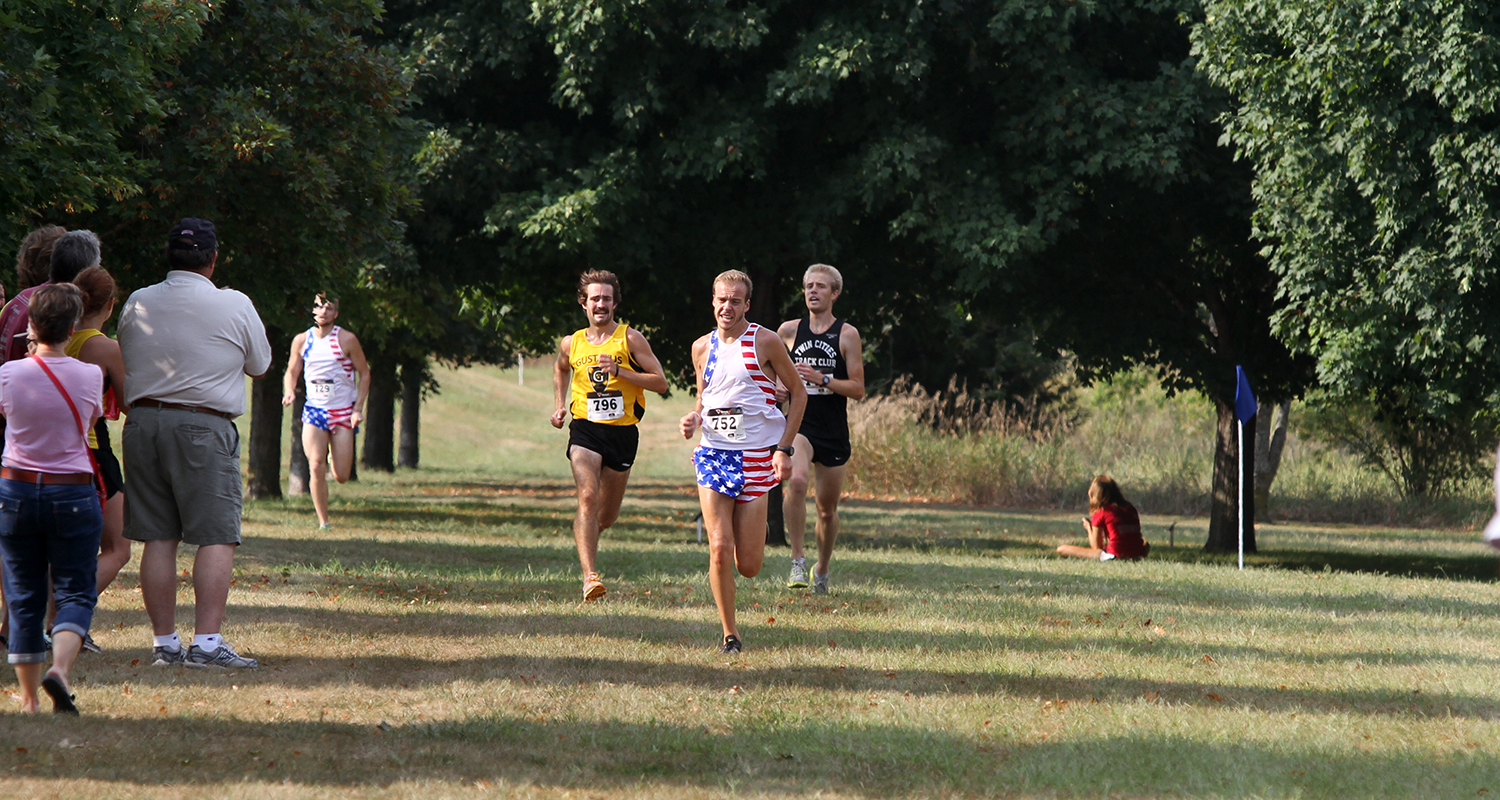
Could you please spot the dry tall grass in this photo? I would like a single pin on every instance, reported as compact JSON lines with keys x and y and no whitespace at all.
{"x":952,"y":446}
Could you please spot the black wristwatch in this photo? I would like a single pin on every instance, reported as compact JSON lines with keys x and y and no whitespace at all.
{"x":826,"y":378}
{"x":791,"y":451}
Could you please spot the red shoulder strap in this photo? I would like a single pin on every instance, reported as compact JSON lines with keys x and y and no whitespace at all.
{"x":55,"y":382}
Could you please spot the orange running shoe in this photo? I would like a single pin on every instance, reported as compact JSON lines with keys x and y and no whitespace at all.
{"x":593,"y":588}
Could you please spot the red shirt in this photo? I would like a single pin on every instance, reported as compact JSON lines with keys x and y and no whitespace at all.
{"x":1122,"y":527}
{"x":13,"y":321}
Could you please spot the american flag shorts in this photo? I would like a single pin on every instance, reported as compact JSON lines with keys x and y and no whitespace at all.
{"x":742,"y":474}
{"x":327,"y":418}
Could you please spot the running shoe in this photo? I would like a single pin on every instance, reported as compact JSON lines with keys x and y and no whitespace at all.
{"x":91,"y":646}
{"x":224,"y":657}
{"x":798,"y":578}
{"x":167,"y":657}
{"x":820,"y":583}
{"x":593,"y":588}
{"x":731,"y":644}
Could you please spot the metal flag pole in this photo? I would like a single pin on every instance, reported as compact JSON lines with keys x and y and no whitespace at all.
{"x":1244,"y":409}
{"x":1239,"y":508}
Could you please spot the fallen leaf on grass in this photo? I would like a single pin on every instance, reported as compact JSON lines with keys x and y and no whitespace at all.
{"x":735,"y":689}
{"x":1158,"y":630}
{"x":1217,"y":698}
{"x":21,"y":750}
{"x":1208,"y":659}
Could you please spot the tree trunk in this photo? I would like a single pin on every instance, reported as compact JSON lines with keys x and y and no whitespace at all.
{"x":1270,"y":439}
{"x":413,"y":374}
{"x":265,"y":426}
{"x":1229,"y":459}
{"x":298,"y":473}
{"x":380,"y":419}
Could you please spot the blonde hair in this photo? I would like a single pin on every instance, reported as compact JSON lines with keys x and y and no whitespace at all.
{"x":834,"y":278}
{"x":735,"y":276}
{"x":1105,"y":492}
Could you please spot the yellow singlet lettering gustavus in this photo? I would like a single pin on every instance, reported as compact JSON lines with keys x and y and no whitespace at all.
{"x":597,"y":395}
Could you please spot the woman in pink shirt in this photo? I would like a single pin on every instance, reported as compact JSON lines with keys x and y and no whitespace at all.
{"x":50,"y":519}
{"x":1114,"y":527}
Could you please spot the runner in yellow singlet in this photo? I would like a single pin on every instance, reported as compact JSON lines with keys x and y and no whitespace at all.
{"x":600,"y":381}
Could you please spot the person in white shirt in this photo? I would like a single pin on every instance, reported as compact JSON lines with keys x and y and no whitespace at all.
{"x":747,"y":443}
{"x":330,"y":358}
{"x":187,"y":347}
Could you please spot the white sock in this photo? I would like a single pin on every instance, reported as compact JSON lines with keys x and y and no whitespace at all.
{"x":207,"y":642}
{"x":801,"y":562}
{"x":170,"y":641}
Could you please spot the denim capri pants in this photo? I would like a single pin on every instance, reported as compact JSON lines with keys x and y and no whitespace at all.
{"x":48,"y":529}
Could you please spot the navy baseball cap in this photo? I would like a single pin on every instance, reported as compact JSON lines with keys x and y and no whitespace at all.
{"x":193,"y":234}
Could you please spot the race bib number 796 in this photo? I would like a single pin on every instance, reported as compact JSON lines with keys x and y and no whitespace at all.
{"x":605,"y":406}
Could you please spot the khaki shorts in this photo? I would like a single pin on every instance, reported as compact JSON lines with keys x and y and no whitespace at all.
{"x":184,"y":474}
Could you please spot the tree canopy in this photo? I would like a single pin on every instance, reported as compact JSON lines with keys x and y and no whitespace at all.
{"x":1371,"y":128}
{"x":970,"y":166}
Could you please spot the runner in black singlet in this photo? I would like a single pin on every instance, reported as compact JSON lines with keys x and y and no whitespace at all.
{"x":826,"y":352}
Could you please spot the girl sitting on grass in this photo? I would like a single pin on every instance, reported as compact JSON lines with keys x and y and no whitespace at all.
{"x":1114,"y":528}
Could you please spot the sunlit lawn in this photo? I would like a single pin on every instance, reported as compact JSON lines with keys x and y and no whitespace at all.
{"x":433,"y":645}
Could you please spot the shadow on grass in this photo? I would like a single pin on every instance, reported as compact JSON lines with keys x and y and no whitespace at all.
{"x":815,"y":645}
{"x":778,"y":757}
{"x":1026,"y":581}
{"x":976,"y":532}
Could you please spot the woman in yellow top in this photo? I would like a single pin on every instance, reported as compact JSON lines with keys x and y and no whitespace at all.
{"x":600,"y":380}
{"x":90,"y":345}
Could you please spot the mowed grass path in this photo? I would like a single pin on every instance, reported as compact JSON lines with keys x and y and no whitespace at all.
{"x":433,"y":645}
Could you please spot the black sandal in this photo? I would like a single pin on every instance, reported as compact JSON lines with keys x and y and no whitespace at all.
{"x":62,"y":701}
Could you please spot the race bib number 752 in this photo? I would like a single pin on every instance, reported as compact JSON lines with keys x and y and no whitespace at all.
{"x":728,"y":423}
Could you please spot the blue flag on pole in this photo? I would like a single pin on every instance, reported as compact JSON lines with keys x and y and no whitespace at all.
{"x":1244,"y":399}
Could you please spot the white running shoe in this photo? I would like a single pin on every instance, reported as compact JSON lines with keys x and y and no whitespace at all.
{"x":820,"y":583}
{"x":798,"y":578}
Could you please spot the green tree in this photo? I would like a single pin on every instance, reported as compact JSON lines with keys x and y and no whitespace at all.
{"x":73,"y":77}
{"x":286,"y":128}
{"x":968,"y":165}
{"x":1371,"y":129}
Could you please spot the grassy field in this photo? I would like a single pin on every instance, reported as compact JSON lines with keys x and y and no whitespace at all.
{"x":432,"y":645}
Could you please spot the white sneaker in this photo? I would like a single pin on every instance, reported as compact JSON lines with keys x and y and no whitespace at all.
{"x":224,"y":657}
{"x":798,"y":578}
{"x":820,"y":583}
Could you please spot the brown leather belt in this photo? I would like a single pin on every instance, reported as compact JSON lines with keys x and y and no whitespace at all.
{"x":149,"y":403}
{"x":51,"y":478}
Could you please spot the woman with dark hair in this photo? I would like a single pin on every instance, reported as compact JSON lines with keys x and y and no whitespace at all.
{"x":34,"y":257}
{"x":50,"y":517}
{"x":89,"y":345}
{"x":1113,"y":527}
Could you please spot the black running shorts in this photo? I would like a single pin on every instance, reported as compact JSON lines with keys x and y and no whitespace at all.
{"x":828,"y":452}
{"x":615,"y":443}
